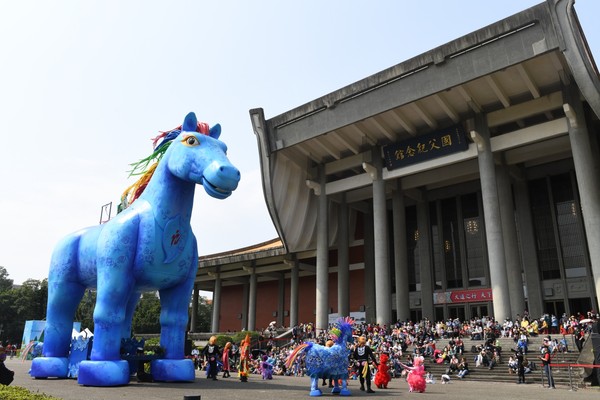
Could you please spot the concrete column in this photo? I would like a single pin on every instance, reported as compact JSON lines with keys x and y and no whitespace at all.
{"x":383,"y":294}
{"x":322,"y":300}
{"x":493,"y":222}
{"x":294,"y":295}
{"x":425,"y":263}
{"x":528,"y":249}
{"x":252,"y":300}
{"x":216,"y":304}
{"x":587,"y":171}
{"x":280,"y":299}
{"x":400,"y":255}
{"x":245,"y":303}
{"x":194,"y":317}
{"x":369,"y":262}
{"x":511,"y":244}
{"x":343,"y":260}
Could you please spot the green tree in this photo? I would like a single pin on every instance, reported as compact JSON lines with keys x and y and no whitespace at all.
{"x":146,"y":318}
{"x":85,"y":310}
{"x":5,"y":283}
{"x":204,"y":316}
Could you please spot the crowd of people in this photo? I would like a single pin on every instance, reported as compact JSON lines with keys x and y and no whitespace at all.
{"x":404,"y":342}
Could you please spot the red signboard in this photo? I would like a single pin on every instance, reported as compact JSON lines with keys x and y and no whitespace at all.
{"x":470,"y":296}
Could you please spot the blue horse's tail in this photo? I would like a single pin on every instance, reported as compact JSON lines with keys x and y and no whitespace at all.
{"x":296,"y":352}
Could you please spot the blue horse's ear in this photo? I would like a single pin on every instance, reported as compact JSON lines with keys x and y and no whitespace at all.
{"x":215,"y":131}
{"x":189,"y":123}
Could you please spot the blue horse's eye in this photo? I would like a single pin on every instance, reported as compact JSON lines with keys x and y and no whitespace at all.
{"x":191,"y":141}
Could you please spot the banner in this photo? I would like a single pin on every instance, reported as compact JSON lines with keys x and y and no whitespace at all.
{"x":463,"y":296}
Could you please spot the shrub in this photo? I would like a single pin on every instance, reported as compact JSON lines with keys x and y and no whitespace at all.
{"x":19,"y":393}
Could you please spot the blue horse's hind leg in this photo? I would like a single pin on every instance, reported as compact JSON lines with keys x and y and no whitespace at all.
{"x":314,"y":387}
{"x":173,"y":320}
{"x":345,"y":391}
{"x":64,"y":296}
{"x":116,"y":252}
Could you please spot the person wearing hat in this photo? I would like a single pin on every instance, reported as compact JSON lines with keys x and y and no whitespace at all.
{"x":6,"y":375}
{"x":361,"y":355}
{"x":546,"y":357}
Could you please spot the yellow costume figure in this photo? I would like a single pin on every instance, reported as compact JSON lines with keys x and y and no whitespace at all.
{"x":244,"y":368}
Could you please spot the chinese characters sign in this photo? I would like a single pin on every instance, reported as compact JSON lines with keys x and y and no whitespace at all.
{"x":426,"y":147}
{"x":463,"y":296}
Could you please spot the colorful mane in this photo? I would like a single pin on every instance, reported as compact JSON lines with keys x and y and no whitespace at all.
{"x":342,"y":330}
{"x":145,"y":167}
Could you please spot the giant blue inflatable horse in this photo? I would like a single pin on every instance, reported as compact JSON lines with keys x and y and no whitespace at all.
{"x":149,"y":245}
{"x":327,"y":362}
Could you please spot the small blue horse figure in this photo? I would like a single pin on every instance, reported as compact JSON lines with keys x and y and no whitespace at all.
{"x":147,"y":246}
{"x":327,"y":362}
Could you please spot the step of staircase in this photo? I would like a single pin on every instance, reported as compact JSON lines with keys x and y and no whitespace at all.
{"x":562,"y":373}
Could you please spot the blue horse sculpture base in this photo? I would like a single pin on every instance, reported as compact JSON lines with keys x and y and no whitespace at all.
{"x":49,"y":367}
{"x":103,"y":373}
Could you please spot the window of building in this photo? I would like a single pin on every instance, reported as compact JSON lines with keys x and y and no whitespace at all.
{"x":450,"y":244}
{"x":474,"y":250}
{"x":412,"y":239}
{"x":438,"y":255}
{"x":570,"y":231}
{"x":541,"y":211}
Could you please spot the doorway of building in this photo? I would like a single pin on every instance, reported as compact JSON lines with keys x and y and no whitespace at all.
{"x":582,"y":305}
{"x":457,"y":312}
{"x":478,"y":310}
{"x":555,"y":307}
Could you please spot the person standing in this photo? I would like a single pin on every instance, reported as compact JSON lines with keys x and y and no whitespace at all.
{"x":361,"y":355}
{"x":244,"y":368}
{"x":211,"y":354}
{"x":546,"y":358}
{"x":520,"y":366}
{"x":226,"y":355}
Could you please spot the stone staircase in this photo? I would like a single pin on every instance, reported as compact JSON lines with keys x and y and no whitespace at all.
{"x":563,"y":375}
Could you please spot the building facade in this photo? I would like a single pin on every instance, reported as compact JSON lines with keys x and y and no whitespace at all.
{"x":462,"y":182}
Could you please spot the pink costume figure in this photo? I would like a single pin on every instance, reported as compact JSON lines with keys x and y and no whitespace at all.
{"x":416,"y":375}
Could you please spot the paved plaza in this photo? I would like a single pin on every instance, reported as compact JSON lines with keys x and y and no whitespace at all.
{"x":281,"y":388}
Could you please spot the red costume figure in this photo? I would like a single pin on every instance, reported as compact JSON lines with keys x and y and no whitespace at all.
{"x":244,"y":368}
{"x":225,"y":359}
{"x":416,"y":378}
{"x":382,"y":377}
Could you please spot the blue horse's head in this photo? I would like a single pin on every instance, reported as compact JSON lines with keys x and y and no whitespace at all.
{"x":200,"y":157}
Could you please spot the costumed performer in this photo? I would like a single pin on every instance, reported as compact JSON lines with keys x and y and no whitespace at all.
{"x":266,"y":368}
{"x":211,"y":354}
{"x":416,"y":378}
{"x":225,"y":359}
{"x":382,"y":377}
{"x":361,"y":355}
{"x":244,"y":368}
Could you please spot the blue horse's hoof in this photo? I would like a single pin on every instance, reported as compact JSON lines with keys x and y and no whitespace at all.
{"x":336,"y":390}
{"x":166,"y":370}
{"x":345,"y":392}
{"x":316,"y":392}
{"x":103,"y":373}
{"x":49,"y":367}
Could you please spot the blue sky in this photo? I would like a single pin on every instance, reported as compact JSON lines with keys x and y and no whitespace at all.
{"x":84,"y":85}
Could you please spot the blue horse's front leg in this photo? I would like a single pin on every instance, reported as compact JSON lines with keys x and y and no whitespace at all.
{"x":174,"y":304}
{"x":314,"y":386}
